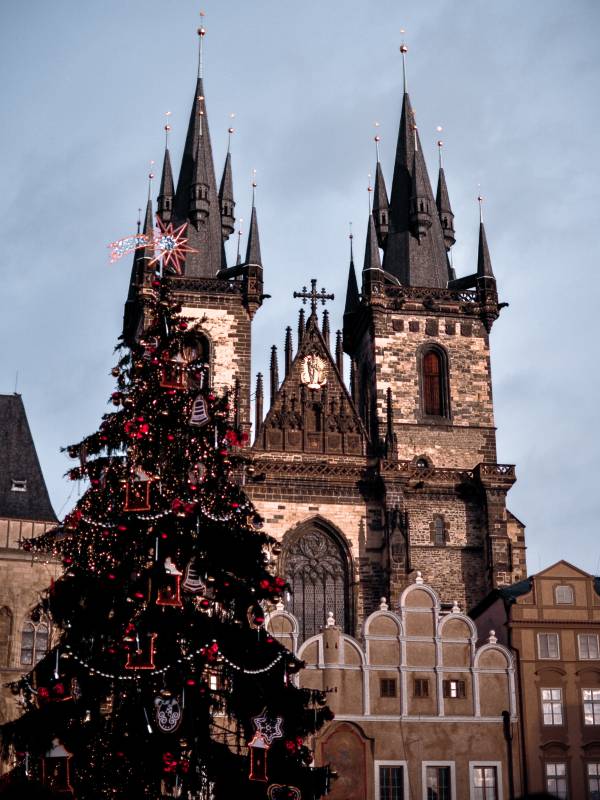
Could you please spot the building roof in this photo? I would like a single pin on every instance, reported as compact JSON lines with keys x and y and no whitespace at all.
{"x":23,"y":492}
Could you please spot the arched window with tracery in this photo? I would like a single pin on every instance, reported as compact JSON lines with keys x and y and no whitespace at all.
{"x":434,"y":383}
{"x":199,"y":349}
{"x":35,"y":640}
{"x":5,"y":632}
{"x":316,"y":568}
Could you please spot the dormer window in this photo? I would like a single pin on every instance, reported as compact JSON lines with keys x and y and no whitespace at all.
{"x":563,"y":595}
{"x":18,"y":485}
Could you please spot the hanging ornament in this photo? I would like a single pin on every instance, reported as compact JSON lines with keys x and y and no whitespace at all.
{"x":56,"y":769}
{"x":278,"y":792}
{"x":168,"y":713}
{"x":137,"y":492}
{"x":150,"y":347}
{"x":256,"y":616}
{"x":192,"y":582}
{"x":199,"y":415}
{"x":268,"y":727}
{"x":173,"y":374}
{"x":258,"y":758}
{"x":169,"y":593}
{"x":142,"y":658}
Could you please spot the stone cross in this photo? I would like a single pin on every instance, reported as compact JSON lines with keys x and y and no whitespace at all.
{"x":314,"y":296}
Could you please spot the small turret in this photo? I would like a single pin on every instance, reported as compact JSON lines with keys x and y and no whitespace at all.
{"x":166,"y":190}
{"x":226,"y":201}
{"x":253,"y":256}
{"x":258,"y":406}
{"x":420,"y":214}
{"x":301,"y":326}
{"x":339,"y":353}
{"x":381,"y":206}
{"x":442,"y":201}
{"x":288,"y":351}
{"x":274,"y":373}
{"x":372,"y":258}
{"x":200,"y":187}
{"x":325,"y":328}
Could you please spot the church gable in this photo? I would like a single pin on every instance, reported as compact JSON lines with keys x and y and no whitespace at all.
{"x":312,"y":411}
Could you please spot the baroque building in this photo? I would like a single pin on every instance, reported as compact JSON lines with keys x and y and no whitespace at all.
{"x":25,"y":512}
{"x":396,"y":471}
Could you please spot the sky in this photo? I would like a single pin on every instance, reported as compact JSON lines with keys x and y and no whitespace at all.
{"x":515,"y":87}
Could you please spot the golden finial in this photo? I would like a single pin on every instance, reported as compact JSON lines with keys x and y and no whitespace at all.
{"x":253,"y":186}
{"x":150,"y":179}
{"x":237,"y":258}
{"x":369,"y":191}
{"x":201,"y":35}
{"x":404,"y":51}
{"x":480,"y":201}
{"x":167,"y":129}
{"x":230,"y":132}
{"x":440,"y":145}
{"x":377,"y":139}
{"x":351,"y":237}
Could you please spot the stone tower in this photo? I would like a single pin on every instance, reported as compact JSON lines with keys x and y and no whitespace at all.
{"x":224,"y":298}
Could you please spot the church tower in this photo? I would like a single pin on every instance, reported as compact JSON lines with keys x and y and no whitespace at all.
{"x":223,"y":298}
{"x":419,"y":340}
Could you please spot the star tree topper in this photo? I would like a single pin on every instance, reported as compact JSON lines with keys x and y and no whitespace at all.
{"x":268,"y":728}
{"x":169,"y":244}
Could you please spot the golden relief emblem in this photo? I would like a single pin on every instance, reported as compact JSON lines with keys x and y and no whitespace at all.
{"x":314,"y":371}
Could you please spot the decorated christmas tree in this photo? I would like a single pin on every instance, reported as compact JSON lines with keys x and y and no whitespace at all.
{"x":163,"y":681}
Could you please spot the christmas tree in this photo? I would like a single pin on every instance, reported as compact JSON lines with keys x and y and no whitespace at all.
{"x":163,"y":681}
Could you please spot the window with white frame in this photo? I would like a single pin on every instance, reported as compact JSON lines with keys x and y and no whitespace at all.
{"x":588,"y":646}
{"x":593,"y":780}
{"x":556,"y":779}
{"x":390,"y":780}
{"x":563,"y":595}
{"x":591,"y":706}
{"x":548,"y":646}
{"x":485,"y":783}
{"x":438,"y":781}
{"x":552,"y":706}
{"x":35,"y":638}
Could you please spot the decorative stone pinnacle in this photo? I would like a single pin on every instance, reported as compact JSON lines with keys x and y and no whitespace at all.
{"x":314,"y":296}
{"x":419,"y":578}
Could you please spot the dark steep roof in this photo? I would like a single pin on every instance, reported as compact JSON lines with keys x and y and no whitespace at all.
{"x":19,"y":462}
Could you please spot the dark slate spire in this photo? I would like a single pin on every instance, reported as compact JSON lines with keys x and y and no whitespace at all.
{"x":253,"y":247}
{"x":274,"y":373}
{"x":372,"y":259}
{"x":352,"y":295}
{"x":23,"y":492}
{"x":414,"y":252}
{"x":196,"y":198}
{"x":166,"y":191}
{"x":226,"y":201}
{"x":442,"y":201}
{"x":258,"y":406}
{"x":381,"y":206}
{"x":133,"y":314}
{"x":289,"y":355}
{"x":484,"y":262}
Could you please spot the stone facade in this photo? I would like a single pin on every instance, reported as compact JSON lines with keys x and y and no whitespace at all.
{"x":415,"y":700}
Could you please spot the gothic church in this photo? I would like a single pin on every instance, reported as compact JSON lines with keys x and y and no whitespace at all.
{"x":366,"y":483}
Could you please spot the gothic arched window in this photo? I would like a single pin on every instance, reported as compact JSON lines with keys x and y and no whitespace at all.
{"x":434,"y":383}
{"x":35,"y":639}
{"x":199,"y":350}
{"x":5,"y":632}
{"x":316,"y":568}
{"x":439,"y":531}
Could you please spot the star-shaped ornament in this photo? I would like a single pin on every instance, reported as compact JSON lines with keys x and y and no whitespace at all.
{"x":268,"y":727}
{"x":171,"y":245}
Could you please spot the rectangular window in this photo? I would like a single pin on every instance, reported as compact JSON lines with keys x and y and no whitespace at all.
{"x":391,"y":783}
{"x":438,"y":783}
{"x":421,"y":687}
{"x":18,"y":485}
{"x":387,"y":687}
{"x":485,"y":783}
{"x":548,"y":645}
{"x":556,"y":779}
{"x":593,"y":780}
{"x":588,"y":646}
{"x":552,"y":706}
{"x":454,"y":689}
{"x":591,"y":706}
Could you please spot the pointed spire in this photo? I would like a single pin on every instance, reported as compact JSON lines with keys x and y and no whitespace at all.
{"x":133,"y":315}
{"x":484,"y":262}
{"x":258,"y":406}
{"x":372,"y":259}
{"x":381,"y":206}
{"x":226,"y":201}
{"x":301,"y":326}
{"x":325,"y":329}
{"x":442,"y":201}
{"x":166,"y":191}
{"x":414,"y":258}
{"x":288,"y":350}
{"x":196,"y":198}
{"x":253,"y":247}
{"x":352,"y":295}
{"x":274,"y":373}
{"x":353,"y":386}
{"x":339,"y":353}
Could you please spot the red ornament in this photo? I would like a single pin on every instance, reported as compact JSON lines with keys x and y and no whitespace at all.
{"x":170,"y":593}
{"x":142,"y":658}
{"x":258,"y":758}
{"x":137,"y":493}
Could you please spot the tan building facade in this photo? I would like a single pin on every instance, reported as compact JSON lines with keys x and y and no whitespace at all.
{"x":552,"y":622}
{"x":421,"y":711}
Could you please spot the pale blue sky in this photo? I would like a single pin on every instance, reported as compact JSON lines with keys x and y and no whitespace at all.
{"x":515,"y":85}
